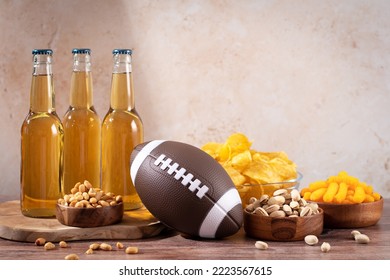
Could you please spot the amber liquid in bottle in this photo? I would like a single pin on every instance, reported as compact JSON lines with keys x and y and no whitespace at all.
{"x":82,"y":128}
{"x":122,"y":130}
{"x":41,"y":145}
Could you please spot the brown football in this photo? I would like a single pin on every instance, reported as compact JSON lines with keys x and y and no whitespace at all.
{"x":186,"y":189}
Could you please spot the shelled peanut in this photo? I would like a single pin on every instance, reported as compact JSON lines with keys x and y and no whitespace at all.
{"x":341,"y":189}
{"x":83,"y":195}
{"x":282,"y":204}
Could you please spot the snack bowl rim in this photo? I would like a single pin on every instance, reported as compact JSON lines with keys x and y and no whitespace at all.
{"x":283,"y":228}
{"x":89,"y":217}
{"x":295,"y":180}
{"x":356,"y":215}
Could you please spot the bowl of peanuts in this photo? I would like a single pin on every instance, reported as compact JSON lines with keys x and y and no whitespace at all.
{"x":283,"y":216}
{"x":347,"y":202}
{"x":87,"y":206}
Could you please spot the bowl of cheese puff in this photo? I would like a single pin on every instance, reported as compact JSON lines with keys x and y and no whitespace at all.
{"x":347,"y":202}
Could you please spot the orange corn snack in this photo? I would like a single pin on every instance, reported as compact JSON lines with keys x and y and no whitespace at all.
{"x":342,"y":188}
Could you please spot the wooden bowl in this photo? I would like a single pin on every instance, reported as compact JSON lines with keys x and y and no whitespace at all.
{"x":89,"y":217}
{"x":283,"y":229}
{"x":351,"y":215}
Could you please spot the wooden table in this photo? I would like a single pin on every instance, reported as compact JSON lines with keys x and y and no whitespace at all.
{"x":170,"y":245}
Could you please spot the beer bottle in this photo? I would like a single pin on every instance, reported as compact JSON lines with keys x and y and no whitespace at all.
{"x":82,"y":127}
{"x":41,"y":143}
{"x":122,"y":130}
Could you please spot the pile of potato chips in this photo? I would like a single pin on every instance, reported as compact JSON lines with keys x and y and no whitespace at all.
{"x":249,"y":168}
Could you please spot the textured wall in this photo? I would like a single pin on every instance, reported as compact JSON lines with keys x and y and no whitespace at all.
{"x":311,"y":78}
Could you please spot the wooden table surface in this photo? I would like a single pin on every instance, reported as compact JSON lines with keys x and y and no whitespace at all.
{"x":172,"y":246}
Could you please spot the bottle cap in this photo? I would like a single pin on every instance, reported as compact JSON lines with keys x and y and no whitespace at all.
{"x":122,"y":51}
{"x":42,"y":51}
{"x":81,"y":51}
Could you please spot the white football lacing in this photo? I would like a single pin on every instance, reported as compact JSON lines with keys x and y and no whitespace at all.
{"x":180,"y":174}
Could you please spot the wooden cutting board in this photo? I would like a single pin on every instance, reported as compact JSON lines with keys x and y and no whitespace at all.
{"x":135,"y":224}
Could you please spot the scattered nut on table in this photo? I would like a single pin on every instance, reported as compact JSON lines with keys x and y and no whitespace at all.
{"x":71,"y":257}
{"x":105,"y":247}
{"x":40,"y":241}
{"x":49,"y":246}
{"x":325,"y":247}
{"x":63,"y":244}
{"x":362,"y":239}
{"x":311,"y":239}
{"x":261,"y":245}
{"x":131,"y":250}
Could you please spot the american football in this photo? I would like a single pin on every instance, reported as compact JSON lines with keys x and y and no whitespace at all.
{"x":186,"y":189}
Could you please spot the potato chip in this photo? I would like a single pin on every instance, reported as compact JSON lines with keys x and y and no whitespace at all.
{"x":251,"y":170}
{"x":286,"y":170}
{"x":212,"y":149}
{"x":238,"y":143}
{"x":224,"y":153}
{"x":242,"y":160}
{"x":237,"y":178}
{"x":262,"y":173}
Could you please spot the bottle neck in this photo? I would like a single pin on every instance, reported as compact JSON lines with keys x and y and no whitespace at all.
{"x":122,"y":91}
{"x":81,"y":90}
{"x":42,"y":86}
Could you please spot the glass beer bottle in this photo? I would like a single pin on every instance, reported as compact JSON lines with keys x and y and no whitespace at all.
{"x":82,"y":127}
{"x":122,"y":130}
{"x":41,"y":143}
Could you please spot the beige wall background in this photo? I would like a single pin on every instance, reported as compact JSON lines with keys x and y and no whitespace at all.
{"x":311,"y":78}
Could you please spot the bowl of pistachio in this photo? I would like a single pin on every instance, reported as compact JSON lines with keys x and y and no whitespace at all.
{"x":283,"y":216}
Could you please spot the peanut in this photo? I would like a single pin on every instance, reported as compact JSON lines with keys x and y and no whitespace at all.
{"x":325,"y":247}
{"x":82,"y":188}
{"x":49,"y":246}
{"x":261,"y":245}
{"x":40,"y":241}
{"x":119,"y":245}
{"x":94,"y":246}
{"x":87,"y":184}
{"x":131,"y":250}
{"x":105,"y":247}
{"x":85,"y":196}
{"x":311,"y":239}
{"x":72,"y":257}
{"x":89,"y":251}
{"x":63,"y":244}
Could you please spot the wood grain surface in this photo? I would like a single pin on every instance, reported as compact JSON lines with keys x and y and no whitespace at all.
{"x":169,"y":245}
